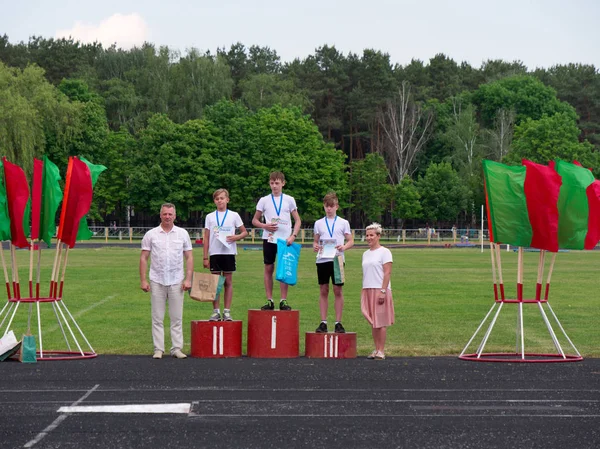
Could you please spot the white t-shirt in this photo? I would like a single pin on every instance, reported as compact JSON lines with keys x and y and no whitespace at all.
{"x":229,"y":221}
{"x":372,"y":265}
{"x":166,"y":254}
{"x":339,"y":229}
{"x":267,"y":205}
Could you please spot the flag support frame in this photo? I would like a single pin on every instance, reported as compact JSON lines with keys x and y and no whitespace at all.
{"x":520,"y":355}
{"x":65,"y":320}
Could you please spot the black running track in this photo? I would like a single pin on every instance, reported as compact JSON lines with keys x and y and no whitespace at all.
{"x":292,"y":403}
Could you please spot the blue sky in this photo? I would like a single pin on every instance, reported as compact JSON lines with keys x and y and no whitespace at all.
{"x":539,"y":33}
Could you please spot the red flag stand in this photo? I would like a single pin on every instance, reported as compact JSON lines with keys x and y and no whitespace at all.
{"x":499,"y":300}
{"x":71,"y":332}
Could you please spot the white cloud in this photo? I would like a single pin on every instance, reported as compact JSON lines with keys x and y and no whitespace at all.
{"x":124,"y":30}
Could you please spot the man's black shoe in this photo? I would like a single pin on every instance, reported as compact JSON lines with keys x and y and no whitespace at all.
{"x":283,"y":305}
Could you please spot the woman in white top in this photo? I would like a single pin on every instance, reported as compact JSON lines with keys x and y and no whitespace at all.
{"x":376,"y":301}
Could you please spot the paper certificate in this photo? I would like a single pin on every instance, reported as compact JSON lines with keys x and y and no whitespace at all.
{"x":327,"y":250}
{"x":222,"y":233}
{"x":282,"y":232}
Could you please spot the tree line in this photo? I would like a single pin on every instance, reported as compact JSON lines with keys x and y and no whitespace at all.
{"x":400,"y":144}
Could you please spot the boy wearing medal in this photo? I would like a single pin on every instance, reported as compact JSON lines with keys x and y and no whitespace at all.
{"x":219,"y":244}
{"x":332,"y":237}
{"x":278,"y":210}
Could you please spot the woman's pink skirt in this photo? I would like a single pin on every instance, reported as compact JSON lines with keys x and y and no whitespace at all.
{"x":378,"y":315}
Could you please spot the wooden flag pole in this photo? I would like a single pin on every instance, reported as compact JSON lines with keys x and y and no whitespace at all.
{"x":16,"y":285}
{"x":62,"y":278}
{"x":37,"y":281}
{"x":540,"y":275}
{"x":492,"y":249}
{"x":56,"y":260}
{"x":549,"y":276}
{"x":520,"y":298}
{"x":31,"y":251}
{"x":499,"y":263}
{"x":5,"y":270}
{"x":15,"y":272}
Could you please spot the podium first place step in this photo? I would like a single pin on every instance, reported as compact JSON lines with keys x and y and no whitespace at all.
{"x":273,"y":334}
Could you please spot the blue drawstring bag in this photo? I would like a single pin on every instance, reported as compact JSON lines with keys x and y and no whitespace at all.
{"x":287,"y":262}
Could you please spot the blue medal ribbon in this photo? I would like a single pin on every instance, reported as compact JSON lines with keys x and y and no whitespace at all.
{"x":332,"y":226}
{"x":277,"y":210}
{"x":224,"y":217}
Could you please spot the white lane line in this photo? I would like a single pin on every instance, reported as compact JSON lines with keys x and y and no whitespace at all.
{"x":414,"y":415}
{"x":130,"y":408}
{"x":318,"y":390}
{"x":40,"y":436}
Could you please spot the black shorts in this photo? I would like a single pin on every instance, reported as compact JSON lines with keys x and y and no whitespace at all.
{"x":222,"y":262}
{"x":269,"y":252}
{"x":325,"y":273}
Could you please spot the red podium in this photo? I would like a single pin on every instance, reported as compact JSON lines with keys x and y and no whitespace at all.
{"x":273,"y":333}
{"x":330,"y":345}
{"x":216,"y":339}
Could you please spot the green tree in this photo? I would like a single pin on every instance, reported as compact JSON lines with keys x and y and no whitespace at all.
{"x":549,"y":138}
{"x":528,"y":96}
{"x":34,"y":116}
{"x":407,"y":205}
{"x":267,"y":89}
{"x":370,"y":190}
{"x":175,"y":163}
{"x":198,"y":81}
{"x":443,"y":195}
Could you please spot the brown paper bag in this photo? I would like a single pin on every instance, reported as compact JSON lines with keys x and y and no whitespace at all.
{"x":204,"y":286}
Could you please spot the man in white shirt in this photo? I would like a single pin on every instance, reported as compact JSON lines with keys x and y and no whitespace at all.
{"x":167,"y":245}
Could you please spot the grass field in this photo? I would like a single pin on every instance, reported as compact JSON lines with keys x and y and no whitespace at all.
{"x":441,"y":296}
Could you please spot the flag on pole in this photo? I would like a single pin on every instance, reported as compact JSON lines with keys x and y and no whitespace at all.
{"x":579,"y":207}
{"x":51,"y":197}
{"x":522,"y":204}
{"x":84,"y":232}
{"x":4,"y":217}
{"x":36,"y":198}
{"x":77,"y":200}
{"x":17,"y":195}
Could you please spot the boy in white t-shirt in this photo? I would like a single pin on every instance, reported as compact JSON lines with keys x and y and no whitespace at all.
{"x":332,"y":236}
{"x":278,"y":210}
{"x":219,"y":244}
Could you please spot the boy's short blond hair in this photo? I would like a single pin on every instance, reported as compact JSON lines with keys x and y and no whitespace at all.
{"x":331,"y":199}
{"x":219,"y":191}
{"x":277,"y":175}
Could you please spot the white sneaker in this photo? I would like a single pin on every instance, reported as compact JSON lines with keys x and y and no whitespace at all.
{"x":227,"y":316}
{"x":178,"y":354}
{"x":157,"y":355}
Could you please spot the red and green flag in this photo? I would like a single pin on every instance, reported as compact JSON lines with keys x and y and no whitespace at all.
{"x":522,"y":204}
{"x":4,"y":217}
{"x":17,"y":196}
{"x":51,"y":196}
{"x":579,"y":207}
{"x":77,"y":200}
{"x":84,"y":232}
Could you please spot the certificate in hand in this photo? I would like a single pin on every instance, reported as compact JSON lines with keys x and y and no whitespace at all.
{"x":224,"y":232}
{"x":328,"y":250}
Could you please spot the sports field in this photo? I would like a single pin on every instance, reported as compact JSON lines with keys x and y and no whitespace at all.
{"x":441,"y":296}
